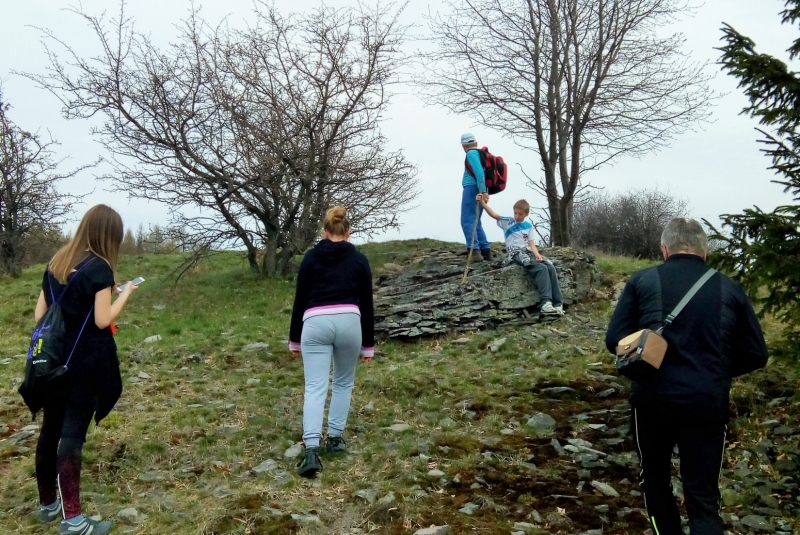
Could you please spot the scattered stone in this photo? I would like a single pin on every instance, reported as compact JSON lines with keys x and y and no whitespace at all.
{"x":23,"y":436}
{"x":495,"y":346}
{"x":434,"y":474}
{"x":541,"y":422}
{"x":267,"y":466}
{"x":131,"y":516}
{"x":196,"y":358}
{"x":555,"y":390}
{"x":388,"y":499}
{"x":558,"y":447}
{"x":370,"y":406}
{"x":603,"y":509}
{"x":143,"y":375}
{"x":605,"y":488}
{"x":221,"y":492}
{"x":433,"y":530}
{"x":369,"y":495}
{"x":307,"y":519}
{"x":606,"y":393}
{"x":390,"y":266}
{"x":524,"y":527}
{"x":783,"y":430}
{"x":253,"y":382}
{"x":447,"y":423}
{"x":469,"y":508}
{"x":228,"y":430}
{"x":461,"y":341}
{"x":506,"y":431}
{"x":138,"y":356}
{"x":152,"y":339}
{"x":294,"y":451}
{"x":281,"y":479}
{"x":258,"y":346}
{"x":399,"y":428}
{"x":149,"y":477}
{"x":758,"y":523}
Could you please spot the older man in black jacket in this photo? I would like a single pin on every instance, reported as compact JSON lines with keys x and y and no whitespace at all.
{"x":715,"y":338}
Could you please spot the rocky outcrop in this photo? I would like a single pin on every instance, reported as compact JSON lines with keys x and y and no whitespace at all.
{"x":426,"y":296}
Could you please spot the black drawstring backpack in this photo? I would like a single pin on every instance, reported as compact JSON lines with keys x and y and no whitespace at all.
{"x":47,"y":365}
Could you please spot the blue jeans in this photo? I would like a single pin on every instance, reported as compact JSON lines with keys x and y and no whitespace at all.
{"x":468,"y":203}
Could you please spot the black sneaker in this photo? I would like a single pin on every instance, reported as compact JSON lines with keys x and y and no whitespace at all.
{"x":311,"y":463}
{"x":87,"y":527}
{"x":333,"y":445}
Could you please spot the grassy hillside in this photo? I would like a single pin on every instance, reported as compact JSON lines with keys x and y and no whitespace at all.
{"x":200,"y":412}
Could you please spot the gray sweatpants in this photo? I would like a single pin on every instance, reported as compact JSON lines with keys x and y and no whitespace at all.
{"x":336,"y":336}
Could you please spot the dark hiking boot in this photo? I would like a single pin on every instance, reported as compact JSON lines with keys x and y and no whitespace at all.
{"x":47,"y":514}
{"x":311,"y":463}
{"x":487,"y":254}
{"x":86,"y":527}
{"x":476,"y":255}
{"x":333,"y":446}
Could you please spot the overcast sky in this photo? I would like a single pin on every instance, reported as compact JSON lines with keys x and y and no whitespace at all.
{"x":718,"y":168}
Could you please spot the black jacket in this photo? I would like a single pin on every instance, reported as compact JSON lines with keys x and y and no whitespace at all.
{"x":715,"y":338}
{"x":334,"y":273}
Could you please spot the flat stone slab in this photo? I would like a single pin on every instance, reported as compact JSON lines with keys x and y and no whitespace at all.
{"x":428,"y":298}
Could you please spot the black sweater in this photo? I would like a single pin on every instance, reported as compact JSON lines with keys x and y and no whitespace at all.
{"x":334,"y":273}
{"x":715,"y":338}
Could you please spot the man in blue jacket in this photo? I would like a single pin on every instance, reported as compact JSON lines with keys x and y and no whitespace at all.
{"x":473,"y":182}
{"x":715,"y":338}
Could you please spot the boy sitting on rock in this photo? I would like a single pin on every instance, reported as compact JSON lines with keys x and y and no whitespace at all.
{"x":521,"y":250}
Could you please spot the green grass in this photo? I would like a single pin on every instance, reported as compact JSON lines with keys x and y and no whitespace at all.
{"x":200,"y":427}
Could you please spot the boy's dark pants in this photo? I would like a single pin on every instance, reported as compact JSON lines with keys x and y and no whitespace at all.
{"x":544,"y":276}
{"x":701,"y":446}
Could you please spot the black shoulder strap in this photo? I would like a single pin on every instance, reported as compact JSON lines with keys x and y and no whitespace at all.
{"x":688,"y":297}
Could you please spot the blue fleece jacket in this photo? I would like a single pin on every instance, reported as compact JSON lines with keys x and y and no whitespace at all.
{"x":474,"y":159}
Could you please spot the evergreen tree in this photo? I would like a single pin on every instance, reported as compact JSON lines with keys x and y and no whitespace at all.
{"x":762,"y":249}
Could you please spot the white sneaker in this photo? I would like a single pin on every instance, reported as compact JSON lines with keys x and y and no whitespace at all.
{"x":560,"y":310}
{"x":548,"y":308}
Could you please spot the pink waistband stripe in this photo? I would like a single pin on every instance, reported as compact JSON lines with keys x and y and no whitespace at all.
{"x":331,"y":309}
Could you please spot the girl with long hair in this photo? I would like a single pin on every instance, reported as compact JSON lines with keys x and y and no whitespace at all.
{"x":81,"y":276}
{"x":333,"y":319}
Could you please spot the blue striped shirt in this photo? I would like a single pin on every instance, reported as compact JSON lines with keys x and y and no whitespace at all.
{"x":518,"y":234}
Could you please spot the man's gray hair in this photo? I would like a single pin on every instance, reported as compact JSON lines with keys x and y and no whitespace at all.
{"x":682,"y":234}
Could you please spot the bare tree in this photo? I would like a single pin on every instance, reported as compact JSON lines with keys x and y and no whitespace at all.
{"x":30,"y":204}
{"x":580,"y":82}
{"x":628,"y":223}
{"x":260,"y":129}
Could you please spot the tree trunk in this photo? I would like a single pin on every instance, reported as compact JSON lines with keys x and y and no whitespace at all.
{"x":10,"y":261}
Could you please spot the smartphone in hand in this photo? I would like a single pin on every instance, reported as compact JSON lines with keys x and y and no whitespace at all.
{"x":136,"y":282}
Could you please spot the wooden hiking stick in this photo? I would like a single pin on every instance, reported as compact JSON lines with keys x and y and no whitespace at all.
{"x":472,"y":245}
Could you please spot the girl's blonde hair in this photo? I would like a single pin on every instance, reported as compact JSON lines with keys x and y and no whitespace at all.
{"x":336,"y":222}
{"x":100,"y":231}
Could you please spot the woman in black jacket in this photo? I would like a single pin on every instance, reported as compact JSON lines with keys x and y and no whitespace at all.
{"x":333,"y":319}
{"x":81,"y":277}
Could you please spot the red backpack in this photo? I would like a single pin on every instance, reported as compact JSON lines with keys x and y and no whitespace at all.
{"x":495,"y":170}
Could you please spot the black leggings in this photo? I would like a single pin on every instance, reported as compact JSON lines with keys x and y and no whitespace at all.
{"x":58,"y":454}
